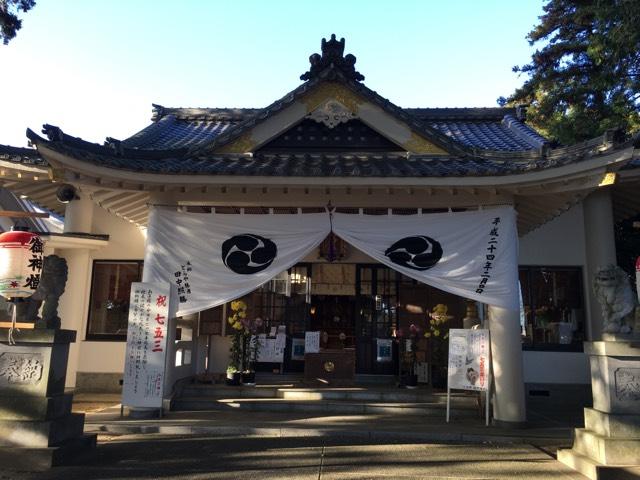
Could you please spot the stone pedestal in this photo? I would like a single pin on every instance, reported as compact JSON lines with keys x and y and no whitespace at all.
{"x":37,"y":428}
{"x":609,"y":445}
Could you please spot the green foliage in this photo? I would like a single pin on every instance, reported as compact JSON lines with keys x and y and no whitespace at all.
{"x":9,"y":21}
{"x":585,"y":78}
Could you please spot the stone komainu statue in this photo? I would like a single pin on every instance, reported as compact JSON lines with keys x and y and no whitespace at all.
{"x":53,"y":280}
{"x":613,"y":290}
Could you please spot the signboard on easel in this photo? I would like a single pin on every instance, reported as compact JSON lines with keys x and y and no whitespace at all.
{"x":146,"y":352}
{"x":469,"y":363}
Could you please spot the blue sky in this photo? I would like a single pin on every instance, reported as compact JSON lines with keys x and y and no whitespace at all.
{"x":94,"y":67}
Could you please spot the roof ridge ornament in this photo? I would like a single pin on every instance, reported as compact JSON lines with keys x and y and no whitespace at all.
{"x":332,"y":57}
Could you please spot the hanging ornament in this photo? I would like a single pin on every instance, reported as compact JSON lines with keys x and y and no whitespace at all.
{"x":20,"y":263}
{"x":21,"y":258}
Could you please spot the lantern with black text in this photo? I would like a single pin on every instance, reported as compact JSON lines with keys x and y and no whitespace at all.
{"x":21,"y":259}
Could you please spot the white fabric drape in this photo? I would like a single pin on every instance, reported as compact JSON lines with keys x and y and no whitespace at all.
{"x":189,"y":251}
{"x":473,"y":254}
{"x":210,"y":259}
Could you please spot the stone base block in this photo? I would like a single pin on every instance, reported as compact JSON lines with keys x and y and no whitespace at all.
{"x":594,"y":470}
{"x":35,"y":408}
{"x":77,"y":450}
{"x":98,"y":382}
{"x":612,"y":425}
{"x":605,"y":450}
{"x":45,"y":433}
{"x":615,"y":376}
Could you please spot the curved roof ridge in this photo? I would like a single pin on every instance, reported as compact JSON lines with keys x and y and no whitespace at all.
{"x":202,"y":113}
{"x":460,"y":113}
{"x":524,"y":131}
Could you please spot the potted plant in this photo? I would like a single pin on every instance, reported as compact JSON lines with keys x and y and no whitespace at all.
{"x":234,"y":369}
{"x":438,"y":333}
{"x":244,"y":345}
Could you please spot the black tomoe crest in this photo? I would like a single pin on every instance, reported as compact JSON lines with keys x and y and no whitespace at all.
{"x":418,"y":252}
{"x":248,"y":253}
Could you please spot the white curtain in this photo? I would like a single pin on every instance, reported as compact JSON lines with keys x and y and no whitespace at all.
{"x":211,"y":259}
{"x":473,"y":254}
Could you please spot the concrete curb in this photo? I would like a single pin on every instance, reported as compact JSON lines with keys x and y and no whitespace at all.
{"x":274,"y":432}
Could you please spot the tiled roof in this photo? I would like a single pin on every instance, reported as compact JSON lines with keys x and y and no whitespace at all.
{"x":509,"y":134}
{"x":319,"y":164}
{"x":169,"y":132}
{"x":483,"y":128}
{"x":28,"y":156}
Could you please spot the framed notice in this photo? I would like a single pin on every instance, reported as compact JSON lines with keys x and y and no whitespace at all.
{"x":271,"y":350}
{"x":297,"y":349}
{"x":384,"y":349}
{"x":469,"y":361}
{"x":144,"y":369}
{"x":311,"y":342}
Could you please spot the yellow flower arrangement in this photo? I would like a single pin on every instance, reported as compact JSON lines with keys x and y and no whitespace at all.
{"x":439,"y":316}
{"x":239,"y":309}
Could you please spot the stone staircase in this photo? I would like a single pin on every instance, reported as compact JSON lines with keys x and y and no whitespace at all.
{"x":358,"y":400}
{"x":607,"y":448}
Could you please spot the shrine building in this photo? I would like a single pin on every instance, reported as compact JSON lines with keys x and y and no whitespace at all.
{"x":335,"y":149}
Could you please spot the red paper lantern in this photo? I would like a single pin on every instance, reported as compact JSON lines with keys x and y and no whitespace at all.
{"x":20,"y":263}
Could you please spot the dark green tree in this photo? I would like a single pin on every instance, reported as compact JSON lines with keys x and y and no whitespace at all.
{"x":585,"y":78}
{"x":9,"y":21}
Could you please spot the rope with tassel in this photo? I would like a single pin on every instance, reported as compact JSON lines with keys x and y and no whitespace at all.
{"x":13,"y":328}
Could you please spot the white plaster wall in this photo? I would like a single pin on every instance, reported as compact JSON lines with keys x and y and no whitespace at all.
{"x":556,"y":367}
{"x":102,"y":357}
{"x":559,"y":242}
{"x":219,"y":359}
{"x":126,"y":242}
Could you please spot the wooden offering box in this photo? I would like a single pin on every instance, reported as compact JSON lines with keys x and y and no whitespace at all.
{"x":330,"y":367}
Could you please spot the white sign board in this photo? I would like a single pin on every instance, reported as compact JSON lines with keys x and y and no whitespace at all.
{"x":469,"y":357}
{"x":311,"y":342}
{"x":271,"y":350}
{"x":144,"y":368}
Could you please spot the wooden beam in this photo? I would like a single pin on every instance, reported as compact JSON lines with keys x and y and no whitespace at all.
{"x":13,"y":214}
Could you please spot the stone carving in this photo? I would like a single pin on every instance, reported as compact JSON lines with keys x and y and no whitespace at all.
{"x":25,"y":368}
{"x":628,"y":384}
{"x":332,"y":56}
{"x":613,"y":290}
{"x":331,"y":114}
{"x":52,"y":284}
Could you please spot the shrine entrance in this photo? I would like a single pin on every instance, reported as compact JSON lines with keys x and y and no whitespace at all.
{"x":364,"y":308}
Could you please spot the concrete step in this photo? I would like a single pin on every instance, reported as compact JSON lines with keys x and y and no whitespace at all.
{"x":341,"y":407}
{"x":612,"y":425}
{"x":367,"y":395}
{"x":350,"y":393}
{"x":606,"y":450}
{"x":32,"y":459}
{"x":40,"y":433}
{"x":594,"y":470}
{"x":223,"y":391}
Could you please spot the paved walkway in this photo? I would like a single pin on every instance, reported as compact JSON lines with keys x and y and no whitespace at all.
{"x":310,"y":458}
{"x":228,"y":444}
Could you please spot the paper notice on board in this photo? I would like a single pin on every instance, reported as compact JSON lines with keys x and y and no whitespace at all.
{"x":469,"y":359}
{"x":144,"y":370}
{"x":311,"y":342}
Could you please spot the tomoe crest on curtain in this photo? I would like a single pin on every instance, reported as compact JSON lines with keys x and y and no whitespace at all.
{"x":248,"y":253}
